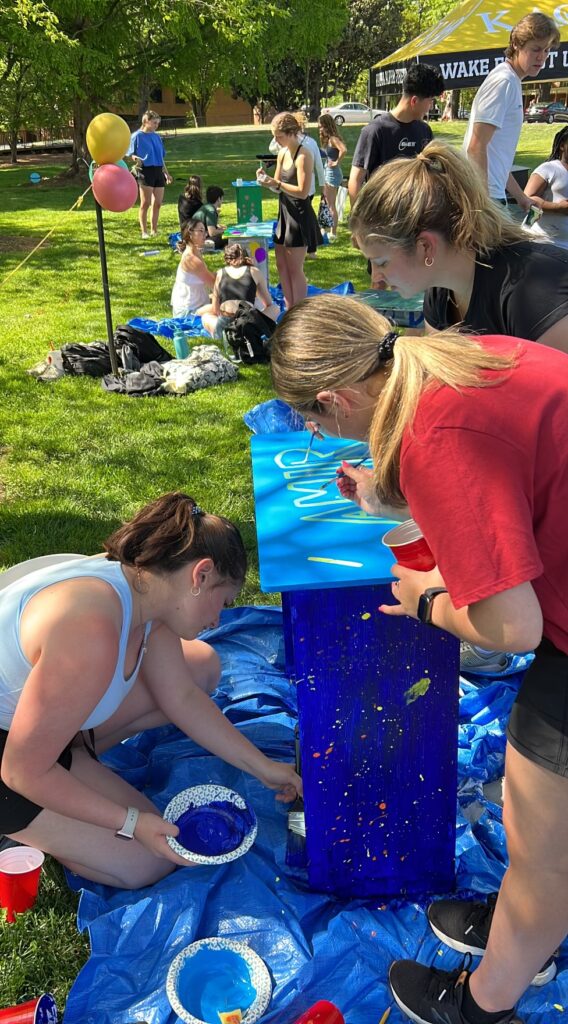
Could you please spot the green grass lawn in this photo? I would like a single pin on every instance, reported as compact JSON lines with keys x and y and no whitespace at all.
{"x":75,"y":460}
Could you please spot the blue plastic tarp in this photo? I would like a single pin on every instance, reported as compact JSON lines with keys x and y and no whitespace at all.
{"x":315,"y":947}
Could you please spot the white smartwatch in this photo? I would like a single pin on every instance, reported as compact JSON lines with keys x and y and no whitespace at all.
{"x":127,"y":830}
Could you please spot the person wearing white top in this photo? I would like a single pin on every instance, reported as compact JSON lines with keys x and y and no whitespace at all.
{"x":547,"y":188}
{"x":496,"y":116}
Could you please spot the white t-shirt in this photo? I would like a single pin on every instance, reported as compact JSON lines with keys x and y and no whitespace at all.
{"x":499,"y":101}
{"x":553,"y":226}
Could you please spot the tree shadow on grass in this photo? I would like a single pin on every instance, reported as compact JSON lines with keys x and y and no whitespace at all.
{"x":30,"y":534}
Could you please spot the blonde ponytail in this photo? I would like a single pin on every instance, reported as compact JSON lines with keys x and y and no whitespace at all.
{"x":329,"y":342}
{"x":437,"y":191}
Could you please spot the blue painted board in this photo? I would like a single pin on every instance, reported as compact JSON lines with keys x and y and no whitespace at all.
{"x":378,"y":715}
{"x":253,"y":229}
{"x":308,"y":535}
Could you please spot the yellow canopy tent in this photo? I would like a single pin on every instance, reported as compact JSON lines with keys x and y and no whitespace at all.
{"x":469,"y":42}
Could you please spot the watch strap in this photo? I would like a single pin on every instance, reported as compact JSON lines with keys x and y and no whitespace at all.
{"x":426,"y":604}
{"x":130,"y":822}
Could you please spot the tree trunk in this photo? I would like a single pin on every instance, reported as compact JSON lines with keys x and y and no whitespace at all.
{"x":199,"y":106}
{"x":13,"y":136}
{"x":144,"y":94}
{"x":455,"y":108}
{"x":81,"y":117}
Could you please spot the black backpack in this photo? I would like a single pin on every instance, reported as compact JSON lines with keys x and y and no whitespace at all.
{"x":133,"y":349}
{"x":249,"y":334}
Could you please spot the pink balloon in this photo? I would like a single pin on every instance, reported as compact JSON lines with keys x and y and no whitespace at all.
{"x":114,"y":188}
{"x":260,"y":255}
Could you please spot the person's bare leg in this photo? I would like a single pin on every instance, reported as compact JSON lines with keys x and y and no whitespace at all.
{"x":145,"y":200}
{"x":331,"y":194}
{"x":157,"y":200}
{"x":280,"y":253}
{"x":298,"y":281}
{"x":90,"y":850}
{"x":531,"y":915}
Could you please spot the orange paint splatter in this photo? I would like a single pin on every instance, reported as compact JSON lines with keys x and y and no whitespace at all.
{"x":382,"y":805}
{"x":329,"y":749}
{"x":316,"y":754}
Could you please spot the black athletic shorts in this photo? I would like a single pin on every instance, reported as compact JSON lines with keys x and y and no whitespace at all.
{"x":538,"y":726}
{"x":151,"y":177}
{"x":16,"y":812}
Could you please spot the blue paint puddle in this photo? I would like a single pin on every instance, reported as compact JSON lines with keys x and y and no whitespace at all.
{"x":215,"y":980}
{"x":215,"y":828}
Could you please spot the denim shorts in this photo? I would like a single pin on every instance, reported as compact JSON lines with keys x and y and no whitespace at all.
{"x":538,"y":725}
{"x":333,"y":176}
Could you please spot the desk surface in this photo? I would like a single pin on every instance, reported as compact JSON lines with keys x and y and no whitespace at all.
{"x":258,"y":229}
{"x":309,"y":536}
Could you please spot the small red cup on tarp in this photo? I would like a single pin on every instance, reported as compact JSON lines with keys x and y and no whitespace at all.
{"x":20,"y":868}
{"x":322,"y":1012}
{"x":409,"y":547}
{"x":41,"y":1010}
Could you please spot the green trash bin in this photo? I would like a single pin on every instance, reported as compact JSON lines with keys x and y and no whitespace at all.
{"x":249,"y":201}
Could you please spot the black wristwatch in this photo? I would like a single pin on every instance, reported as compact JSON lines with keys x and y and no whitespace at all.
{"x":426,"y":604}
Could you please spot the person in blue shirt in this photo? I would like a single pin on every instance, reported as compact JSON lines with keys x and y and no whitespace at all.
{"x":148,"y":153}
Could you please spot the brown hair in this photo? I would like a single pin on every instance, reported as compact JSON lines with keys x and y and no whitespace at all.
{"x":328,"y":128}
{"x":437,"y":191}
{"x":186,"y":235}
{"x":151,"y":115}
{"x":172,"y":531}
{"x":237,"y":256}
{"x":306,"y":360}
{"x":286,"y":123}
{"x":192,"y":189}
{"x":532,"y":26}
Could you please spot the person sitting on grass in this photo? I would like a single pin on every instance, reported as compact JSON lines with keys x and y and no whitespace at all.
{"x":547,"y":188}
{"x":190,"y":200}
{"x":239,"y":281}
{"x":208,"y":214}
{"x":98,"y":649}
{"x":471,"y":433}
{"x":190,"y":293}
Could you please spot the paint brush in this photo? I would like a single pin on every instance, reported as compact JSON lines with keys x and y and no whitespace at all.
{"x":341,"y":472}
{"x":296,"y":856}
{"x":385,"y":1016}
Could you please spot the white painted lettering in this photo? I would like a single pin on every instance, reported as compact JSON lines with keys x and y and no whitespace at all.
{"x":492,"y":23}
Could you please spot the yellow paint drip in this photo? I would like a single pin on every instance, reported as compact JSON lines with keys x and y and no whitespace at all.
{"x":366,"y":615}
{"x":418,"y":690}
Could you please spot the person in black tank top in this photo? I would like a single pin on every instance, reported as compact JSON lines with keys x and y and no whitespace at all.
{"x":239,"y":281}
{"x":297,"y":230}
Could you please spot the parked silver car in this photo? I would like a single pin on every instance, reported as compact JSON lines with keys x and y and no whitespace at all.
{"x":352,"y":113}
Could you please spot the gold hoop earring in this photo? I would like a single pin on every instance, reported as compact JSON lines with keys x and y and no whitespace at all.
{"x":140,"y":586}
{"x":195,"y":591}
{"x":428,"y":262}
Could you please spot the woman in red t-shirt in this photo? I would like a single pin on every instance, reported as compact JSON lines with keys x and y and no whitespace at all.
{"x":471,"y":434}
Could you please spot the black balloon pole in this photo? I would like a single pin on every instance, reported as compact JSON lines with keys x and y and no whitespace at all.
{"x":106,"y":292}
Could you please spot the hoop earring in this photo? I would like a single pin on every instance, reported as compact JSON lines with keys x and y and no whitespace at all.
{"x":428,"y":262}
{"x":195,"y":591}
{"x":140,"y":586}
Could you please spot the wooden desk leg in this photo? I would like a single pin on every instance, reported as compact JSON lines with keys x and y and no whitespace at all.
{"x":378,"y":712}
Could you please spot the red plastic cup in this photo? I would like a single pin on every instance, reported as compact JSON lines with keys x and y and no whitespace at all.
{"x":38,"y":1011}
{"x":20,"y":868}
{"x":321,"y":1012}
{"x":409,"y":547}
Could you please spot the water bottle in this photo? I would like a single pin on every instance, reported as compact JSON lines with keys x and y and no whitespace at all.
{"x":180,"y":344}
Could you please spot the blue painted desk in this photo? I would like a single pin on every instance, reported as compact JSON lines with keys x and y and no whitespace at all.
{"x":405,"y":312}
{"x":377,"y":696}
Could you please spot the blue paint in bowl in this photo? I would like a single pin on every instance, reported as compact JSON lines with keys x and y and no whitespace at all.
{"x":214,"y":980}
{"x":214,"y":829}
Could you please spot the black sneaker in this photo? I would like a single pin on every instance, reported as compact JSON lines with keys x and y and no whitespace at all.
{"x":430,"y":996}
{"x":464,"y":926}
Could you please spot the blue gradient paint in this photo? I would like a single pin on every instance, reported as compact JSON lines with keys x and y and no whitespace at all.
{"x":214,"y":828}
{"x":215,"y":980}
{"x":380,"y":772}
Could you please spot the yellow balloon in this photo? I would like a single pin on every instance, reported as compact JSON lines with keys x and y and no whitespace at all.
{"x":108,"y":138}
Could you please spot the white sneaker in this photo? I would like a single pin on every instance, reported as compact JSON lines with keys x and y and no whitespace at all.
{"x":153,"y":234}
{"x":145,"y":234}
{"x":332,"y":237}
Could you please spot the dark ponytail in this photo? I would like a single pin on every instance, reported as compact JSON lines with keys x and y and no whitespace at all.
{"x":171,"y":532}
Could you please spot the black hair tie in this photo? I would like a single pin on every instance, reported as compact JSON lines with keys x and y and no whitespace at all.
{"x":386,"y":347}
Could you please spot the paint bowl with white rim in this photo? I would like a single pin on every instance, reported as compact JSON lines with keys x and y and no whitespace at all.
{"x":216,"y":825}
{"x":213,"y":976}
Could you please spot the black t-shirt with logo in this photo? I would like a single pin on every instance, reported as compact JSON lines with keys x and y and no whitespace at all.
{"x":386,"y":138}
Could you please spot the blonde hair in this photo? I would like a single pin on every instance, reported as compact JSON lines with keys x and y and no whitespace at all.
{"x":437,"y":191}
{"x":532,"y":26}
{"x":329,"y":342}
{"x":286,"y":123}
